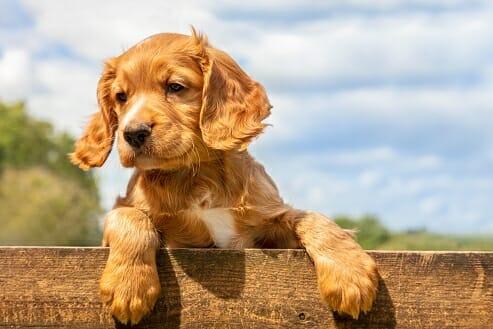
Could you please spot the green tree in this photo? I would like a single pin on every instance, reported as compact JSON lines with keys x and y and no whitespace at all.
{"x":44,"y":199}
{"x":370,"y":233}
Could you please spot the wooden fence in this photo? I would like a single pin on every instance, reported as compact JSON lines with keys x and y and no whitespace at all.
{"x":212,"y":288}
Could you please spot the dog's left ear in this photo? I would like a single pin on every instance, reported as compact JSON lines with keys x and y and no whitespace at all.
{"x":233,"y":105}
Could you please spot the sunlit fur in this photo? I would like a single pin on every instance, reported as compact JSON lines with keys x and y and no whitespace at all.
{"x":196,"y":159}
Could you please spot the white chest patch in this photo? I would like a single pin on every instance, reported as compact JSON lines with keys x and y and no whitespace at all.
{"x":220,"y":223}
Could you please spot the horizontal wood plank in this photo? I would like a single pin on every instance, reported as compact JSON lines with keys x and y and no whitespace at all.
{"x":212,"y":288}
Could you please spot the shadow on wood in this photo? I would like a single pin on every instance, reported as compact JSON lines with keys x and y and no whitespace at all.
{"x":382,"y":315}
{"x":212,"y":275}
{"x":224,"y":277}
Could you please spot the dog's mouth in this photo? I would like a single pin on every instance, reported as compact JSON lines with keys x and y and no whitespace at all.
{"x":149,"y":160}
{"x":182,"y":155}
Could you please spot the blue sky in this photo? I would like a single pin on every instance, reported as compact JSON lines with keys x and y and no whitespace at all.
{"x":379,"y":107}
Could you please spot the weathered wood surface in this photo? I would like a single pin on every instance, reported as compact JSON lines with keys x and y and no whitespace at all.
{"x":211,"y":288}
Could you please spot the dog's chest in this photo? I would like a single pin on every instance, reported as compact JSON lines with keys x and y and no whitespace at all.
{"x":220,"y":223}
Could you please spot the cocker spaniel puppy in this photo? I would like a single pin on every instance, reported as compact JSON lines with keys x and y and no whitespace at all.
{"x":184,"y":113}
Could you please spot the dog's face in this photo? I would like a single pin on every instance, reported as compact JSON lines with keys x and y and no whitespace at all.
{"x":157,"y":96}
{"x":172,"y":101}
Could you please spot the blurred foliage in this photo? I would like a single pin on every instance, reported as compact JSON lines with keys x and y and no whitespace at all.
{"x":44,"y":199}
{"x":369,"y":231}
{"x":371,"y":234}
{"x":42,"y":208}
{"x":433,"y":241}
{"x":27,"y":142}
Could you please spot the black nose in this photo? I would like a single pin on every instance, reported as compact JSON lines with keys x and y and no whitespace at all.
{"x":137,"y":135}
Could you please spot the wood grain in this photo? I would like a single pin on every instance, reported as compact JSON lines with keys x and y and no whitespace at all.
{"x":212,"y":288}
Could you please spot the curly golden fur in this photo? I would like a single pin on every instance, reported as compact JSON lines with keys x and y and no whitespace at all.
{"x":195,"y":184}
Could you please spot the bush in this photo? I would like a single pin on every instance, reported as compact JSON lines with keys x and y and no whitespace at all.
{"x":370,"y":233}
{"x":44,"y":199}
{"x":41,"y":208}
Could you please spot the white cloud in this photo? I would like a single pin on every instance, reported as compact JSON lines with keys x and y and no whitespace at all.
{"x":370,"y":178}
{"x":430,"y":205}
{"x":97,"y":30}
{"x":364,"y":47}
{"x":66,"y":93}
{"x":15,"y":76}
{"x":367,"y":49}
{"x":351,"y":5}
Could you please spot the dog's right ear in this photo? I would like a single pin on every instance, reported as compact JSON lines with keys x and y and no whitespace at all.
{"x":93,"y":148}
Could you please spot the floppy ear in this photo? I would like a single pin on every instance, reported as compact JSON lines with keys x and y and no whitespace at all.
{"x":93,"y":148}
{"x":233,"y":105}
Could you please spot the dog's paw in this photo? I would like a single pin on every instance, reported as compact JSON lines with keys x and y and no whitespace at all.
{"x":130,"y":290}
{"x":348,"y":284}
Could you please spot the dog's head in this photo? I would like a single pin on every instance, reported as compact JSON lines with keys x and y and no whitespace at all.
{"x":172,"y":100}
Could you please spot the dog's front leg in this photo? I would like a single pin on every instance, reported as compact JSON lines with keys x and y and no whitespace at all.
{"x":347,"y":275}
{"x":130,"y":283}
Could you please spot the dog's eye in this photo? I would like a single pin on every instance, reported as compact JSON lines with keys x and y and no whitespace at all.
{"x":121,"y":97}
{"x":174,"y":87}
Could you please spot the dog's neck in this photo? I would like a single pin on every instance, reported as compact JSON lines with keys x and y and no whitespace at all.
{"x":222,"y":167}
{"x":219,"y":182}
{"x":187,"y":172}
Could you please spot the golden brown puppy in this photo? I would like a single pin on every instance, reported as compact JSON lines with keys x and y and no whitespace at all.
{"x":184,"y":113}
